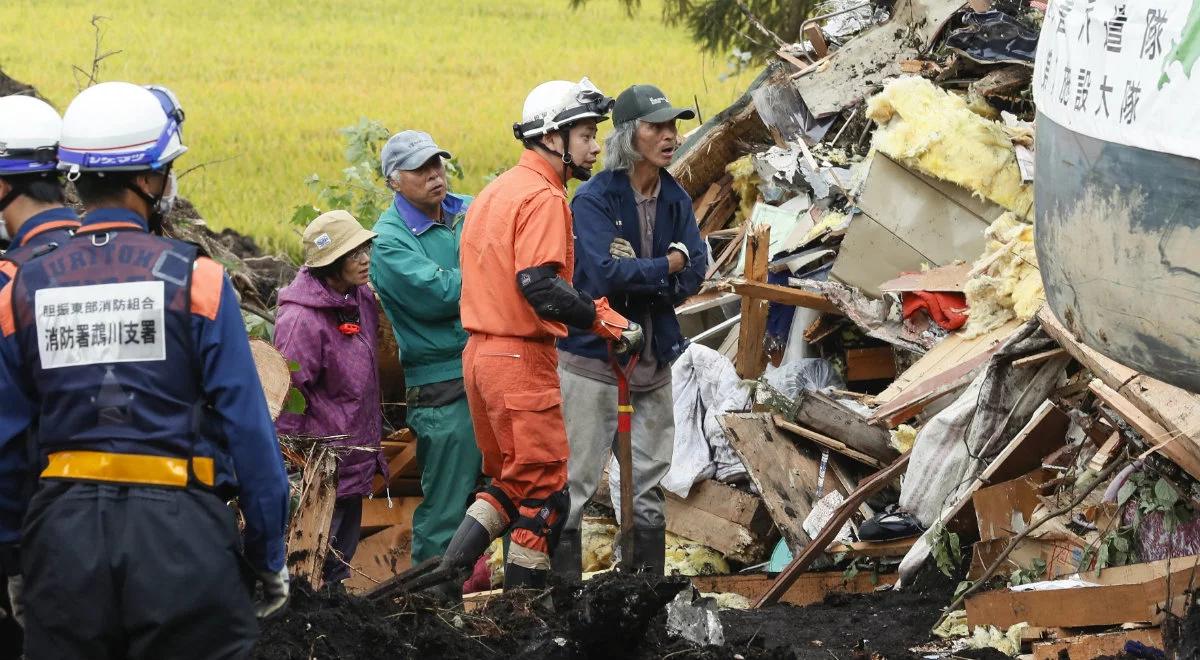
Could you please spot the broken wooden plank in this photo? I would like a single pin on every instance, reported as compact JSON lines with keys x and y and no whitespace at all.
{"x":952,"y":278}
{"x":377,"y":515}
{"x":817,"y":39}
{"x":824,"y":415}
{"x":786,"y":474}
{"x":913,"y":400}
{"x":828,"y":533}
{"x":1124,"y":594}
{"x":1150,"y":430}
{"x":751,"y":357}
{"x":731,"y":539}
{"x":308,"y":534}
{"x":827,"y":442}
{"x":874,"y":363}
{"x":808,"y":589}
{"x":874,"y":549}
{"x":955,"y":349}
{"x":728,"y":503}
{"x":1175,"y":409}
{"x":997,"y":505}
{"x":380,"y":557}
{"x":1098,"y":645}
{"x":402,"y":467}
{"x":784,"y":295}
{"x":1106,"y":452}
{"x":1038,"y":358}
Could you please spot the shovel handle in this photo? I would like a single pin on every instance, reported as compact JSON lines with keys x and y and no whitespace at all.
{"x":625,"y":455}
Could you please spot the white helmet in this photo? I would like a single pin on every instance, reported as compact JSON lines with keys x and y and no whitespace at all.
{"x":29,"y":130}
{"x":558,"y":104}
{"x":118,"y":126}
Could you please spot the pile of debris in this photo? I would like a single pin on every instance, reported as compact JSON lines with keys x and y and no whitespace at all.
{"x":875,"y":397}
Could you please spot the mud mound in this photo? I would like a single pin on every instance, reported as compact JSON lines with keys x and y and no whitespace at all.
{"x":610,"y":616}
{"x":884,"y":624}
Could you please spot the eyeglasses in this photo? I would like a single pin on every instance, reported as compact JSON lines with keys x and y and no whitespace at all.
{"x":360,"y":253}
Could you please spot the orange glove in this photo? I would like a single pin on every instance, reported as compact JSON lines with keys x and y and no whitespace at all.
{"x":608,"y":324}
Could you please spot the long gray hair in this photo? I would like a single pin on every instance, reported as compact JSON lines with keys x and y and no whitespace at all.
{"x":619,"y":152}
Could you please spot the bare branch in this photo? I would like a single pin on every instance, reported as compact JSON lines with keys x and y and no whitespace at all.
{"x":93,"y":76}
{"x":759,"y":24}
{"x":205,"y":164}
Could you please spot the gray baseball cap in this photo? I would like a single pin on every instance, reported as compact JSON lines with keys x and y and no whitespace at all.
{"x":648,"y":103}
{"x":408,"y":150}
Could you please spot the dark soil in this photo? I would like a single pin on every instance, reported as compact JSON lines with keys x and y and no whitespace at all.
{"x":881,"y":625}
{"x":610,"y":616}
{"x":1181,"y":636}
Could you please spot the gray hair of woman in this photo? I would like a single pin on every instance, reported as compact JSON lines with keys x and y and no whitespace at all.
{"x":619,"y":152}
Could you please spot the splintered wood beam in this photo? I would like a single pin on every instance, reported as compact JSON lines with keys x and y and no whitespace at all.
{"x":1176,"y":410}
{"x":828,"y":533}
{"x":308,"y":535}
{"x":751,"y":356}
{"x":784,"y":295}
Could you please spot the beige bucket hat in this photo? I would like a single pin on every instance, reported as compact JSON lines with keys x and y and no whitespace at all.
{"x":331,"y":235}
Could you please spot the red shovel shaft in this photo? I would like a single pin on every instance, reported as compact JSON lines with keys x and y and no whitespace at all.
{"x":625,"y":457}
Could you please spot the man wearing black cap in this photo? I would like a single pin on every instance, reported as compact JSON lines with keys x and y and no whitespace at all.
{"x":636,"y":241}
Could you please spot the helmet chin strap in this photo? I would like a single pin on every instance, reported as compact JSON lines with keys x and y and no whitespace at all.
{"x":570,"y":168}
{"x":154,"y":217}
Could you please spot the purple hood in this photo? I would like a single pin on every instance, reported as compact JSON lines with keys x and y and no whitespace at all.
{"x":338,"y":376}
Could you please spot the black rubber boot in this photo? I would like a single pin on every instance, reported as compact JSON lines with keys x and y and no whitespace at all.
{"x":567,"y":559}
{"x":470,"y":540}
{"x":650,"y":551}
{"x":519,"y":577}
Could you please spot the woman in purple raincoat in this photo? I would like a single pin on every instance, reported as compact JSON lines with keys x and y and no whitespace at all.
{"x":327,"y":323}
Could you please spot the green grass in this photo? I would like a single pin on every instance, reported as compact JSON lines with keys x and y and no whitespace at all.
{"x":266,"y":85}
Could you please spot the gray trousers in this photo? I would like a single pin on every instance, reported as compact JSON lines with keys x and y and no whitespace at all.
{"x":590,"y":414}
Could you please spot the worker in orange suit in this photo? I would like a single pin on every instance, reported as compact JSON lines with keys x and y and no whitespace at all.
{"x":517,"y":300}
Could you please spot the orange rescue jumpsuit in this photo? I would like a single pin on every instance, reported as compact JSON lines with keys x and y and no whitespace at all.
{"x":521,"y":220}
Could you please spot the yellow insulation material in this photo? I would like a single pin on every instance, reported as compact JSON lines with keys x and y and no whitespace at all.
{"x":1008,"y":284}
{"x":745,"y":184}
{"x":903,"y":438}
{"x":930,"y":130}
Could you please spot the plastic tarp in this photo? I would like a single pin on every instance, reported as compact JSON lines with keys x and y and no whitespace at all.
{"x":954,"y":447}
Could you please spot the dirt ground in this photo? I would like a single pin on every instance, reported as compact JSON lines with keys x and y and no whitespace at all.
{"x":883,"y":624}
{"x":610,"y":616}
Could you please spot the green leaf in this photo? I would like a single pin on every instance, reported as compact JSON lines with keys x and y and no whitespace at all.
{"x":1165,"y":493}
{"x":304,"y":214}
{"x":293,"y":366}
{"x":1102,"y":560}
{"x":962,"y":588}
{"x":295,"y":402}
{"x":1127,"y":490}
{"x":1120,"y":544}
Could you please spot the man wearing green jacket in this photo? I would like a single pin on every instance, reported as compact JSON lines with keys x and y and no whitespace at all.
{"x":414,"y":268}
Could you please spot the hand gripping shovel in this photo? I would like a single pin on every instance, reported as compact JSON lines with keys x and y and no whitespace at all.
{"x":625,"y":455}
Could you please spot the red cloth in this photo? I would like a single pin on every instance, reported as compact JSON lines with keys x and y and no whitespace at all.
{"x":481,"y":577}
{"x":946,"y":309}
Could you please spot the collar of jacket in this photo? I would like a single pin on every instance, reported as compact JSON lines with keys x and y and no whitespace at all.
{"x":533,"y":160}
{"x":418,"y":223}
{"x":616,"y":182}
{"x":61,"y":214}
{"x":107,"y":215}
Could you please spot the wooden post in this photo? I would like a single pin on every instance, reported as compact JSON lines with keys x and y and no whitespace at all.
{"x":751,"y":358}
{"x":308,"y":536}
{"x":817,"y":39}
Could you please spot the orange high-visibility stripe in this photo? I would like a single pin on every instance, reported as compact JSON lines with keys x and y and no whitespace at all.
{"x":207,"y":279}
{"x":49,"y":226}
{"x":8,"y":322}
{"x":104,"y":226}
{"x":128,"y":468}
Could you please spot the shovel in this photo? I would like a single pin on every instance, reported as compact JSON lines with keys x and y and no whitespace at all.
{"x":625,"y":455}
